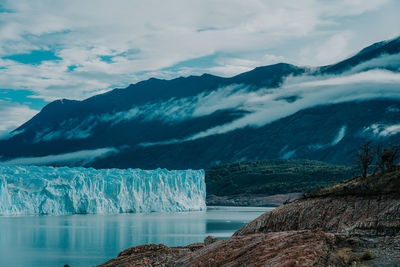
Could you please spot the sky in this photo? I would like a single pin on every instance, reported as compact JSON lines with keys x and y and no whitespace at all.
{"x":76,"y":49}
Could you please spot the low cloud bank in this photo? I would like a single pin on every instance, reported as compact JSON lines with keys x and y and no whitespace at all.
{"x":82,"y":156}
{"x":268,"y":105}
{"x":260,"y":107}
{"x":340,"y":135}
{"x":168,"y":112}
{"x":381,"y":130}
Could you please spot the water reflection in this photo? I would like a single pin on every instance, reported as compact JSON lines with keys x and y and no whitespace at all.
{"x":86,"y":240}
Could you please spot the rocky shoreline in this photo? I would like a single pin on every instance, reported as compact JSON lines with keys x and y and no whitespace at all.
{"x":354,"y":223}
{"x":252,"y":200}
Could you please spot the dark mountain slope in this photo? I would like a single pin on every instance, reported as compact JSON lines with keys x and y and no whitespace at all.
{"x":374,"y":51}
{"x":308,"y":134}
{"x":159,"y":123}
{"x":153,"y":90}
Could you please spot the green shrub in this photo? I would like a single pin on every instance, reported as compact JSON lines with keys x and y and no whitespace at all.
{"x":367,"y":255}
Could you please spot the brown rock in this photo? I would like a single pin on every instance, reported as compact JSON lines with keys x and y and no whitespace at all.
{"x":293,"y":248}
{"x":209,"y":240}
{"x":375,"y":215}
{"x":254,"y":200}
{"x":149,"y":255}
{"x":195,"y":246}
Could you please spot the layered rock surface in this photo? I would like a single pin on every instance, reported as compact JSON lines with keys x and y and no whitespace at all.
{"x":378,"y":215}
{"x":291,"y":248}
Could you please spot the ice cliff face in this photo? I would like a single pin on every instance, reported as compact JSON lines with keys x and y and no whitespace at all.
{"x":56,"y":191}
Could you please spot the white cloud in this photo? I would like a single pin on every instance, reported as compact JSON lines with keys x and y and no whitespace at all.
{"x":390,"y":130}
{"x":384,"y":61}
{"x":228,"y":67}
{"x":289,"y":154}
{"x":393,"y":108}
{"x":260,"y":107}
{"x":82,"y":156}
{"x":332,"y":50}
{"x":170,"y":111}
{"x":146,"y":37}
{"x":268,"y":105}
{"x":382,"y":130}
{"x":340,"y":135}
{"x":13,"y":115}
{"x":371,"y":76}
{"x":69,"y":129}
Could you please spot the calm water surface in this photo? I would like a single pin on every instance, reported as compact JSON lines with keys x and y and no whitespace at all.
{"x":87,"y":240}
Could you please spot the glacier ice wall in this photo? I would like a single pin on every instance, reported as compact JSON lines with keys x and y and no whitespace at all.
{"x":32,"y":190}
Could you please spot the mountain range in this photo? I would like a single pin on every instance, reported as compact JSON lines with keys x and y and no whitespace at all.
{"x":278,"y":111}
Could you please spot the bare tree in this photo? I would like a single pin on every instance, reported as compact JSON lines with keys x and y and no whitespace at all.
{"x":387,"y":158}
{"x":365,"y":156}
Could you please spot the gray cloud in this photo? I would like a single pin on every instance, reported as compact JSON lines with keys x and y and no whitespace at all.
{"x":143,"y":39}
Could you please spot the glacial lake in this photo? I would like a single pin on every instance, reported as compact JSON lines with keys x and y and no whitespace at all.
{"x":88,"y":240}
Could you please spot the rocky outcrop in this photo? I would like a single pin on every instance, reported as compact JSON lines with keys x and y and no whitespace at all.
{"x":364,"y":206}
{"x":375,"y":215}
{"x":353,"y":223}
{"x":209,"y":240}
{"x":292,"y":248}
{"x":252,"y":200}
{"x":152,"y":255}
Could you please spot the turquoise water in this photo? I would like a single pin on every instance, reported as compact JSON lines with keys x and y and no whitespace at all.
{"x":87,"y":240}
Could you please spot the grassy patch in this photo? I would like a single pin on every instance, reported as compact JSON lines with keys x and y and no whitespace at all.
{"x":377,"y":184}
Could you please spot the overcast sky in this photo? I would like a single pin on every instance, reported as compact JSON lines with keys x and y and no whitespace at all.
{"x":75,"y":49}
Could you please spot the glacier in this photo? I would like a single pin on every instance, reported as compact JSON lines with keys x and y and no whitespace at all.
{"x":39,"y":190}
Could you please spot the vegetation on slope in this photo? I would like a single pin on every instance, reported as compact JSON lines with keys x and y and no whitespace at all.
{"x":273,"y":177}
{"x":385,"y":178}
{"x":375,"y":184}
